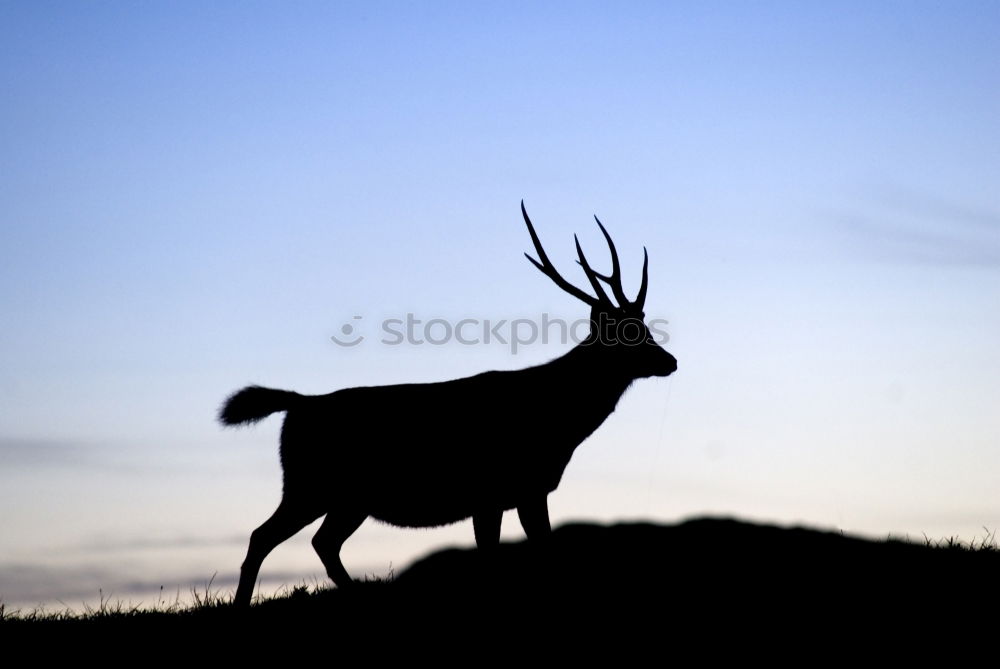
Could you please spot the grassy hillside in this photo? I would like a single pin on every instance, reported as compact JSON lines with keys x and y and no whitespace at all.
{"x":718,"y":572}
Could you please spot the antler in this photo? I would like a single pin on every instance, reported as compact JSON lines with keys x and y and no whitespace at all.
{"x":546,"y":267}
{"x":594,"y":277}
{"x":615,"y":279}
{"x":640,"y":299}
{"x":591,"y":275}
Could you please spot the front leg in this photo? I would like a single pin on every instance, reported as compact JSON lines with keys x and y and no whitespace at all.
{"x":486,"y":525}
{"x":534,"y":515}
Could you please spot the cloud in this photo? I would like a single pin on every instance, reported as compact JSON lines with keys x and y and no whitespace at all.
{"x":28,"y":452}
{"x":903,"y":225}
{"x":22,"y":584}
{"x":943,"y":211}
{"x":100,"y":544}
{"x":28,"y":587}
{"x":111,"y":565}
{"x":40,"y":452}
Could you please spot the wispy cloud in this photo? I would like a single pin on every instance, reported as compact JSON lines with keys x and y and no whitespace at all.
{"x":945,"y":212}
{"x":24,"y":586}
{"x":20,"y":453}
{"x":111,"y":544}
{"x":123,"y":567}
{"x":29,"y":452}
{"x":28,"y":586}
{"x":906,"y":226}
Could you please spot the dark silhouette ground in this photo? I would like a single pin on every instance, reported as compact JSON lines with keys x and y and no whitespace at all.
{"x":703,"y":577}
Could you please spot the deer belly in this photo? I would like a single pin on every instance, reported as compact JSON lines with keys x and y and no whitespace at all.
{"x":446,"y":497}
{"x":432,"y":503}
{"x":420,"y":506}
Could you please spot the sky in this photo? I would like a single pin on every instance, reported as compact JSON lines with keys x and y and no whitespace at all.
{"x":196,"y":197}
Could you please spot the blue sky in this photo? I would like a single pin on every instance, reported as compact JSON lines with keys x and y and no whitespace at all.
{"x":195,"y":197}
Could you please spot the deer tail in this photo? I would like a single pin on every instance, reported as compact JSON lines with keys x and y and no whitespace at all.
{"x":254,"y":403}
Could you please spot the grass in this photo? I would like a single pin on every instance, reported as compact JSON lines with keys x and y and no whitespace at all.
{"x":987,"y":543}
{"x":701,"y":569}
{"x":109,"y":609}
{"x":202,"y":602}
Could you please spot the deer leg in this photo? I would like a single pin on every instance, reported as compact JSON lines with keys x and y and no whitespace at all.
{"x":486,"y":525}
{"x":336,"y":528}
{"x":283,"y":523}
{"x":534,"y":516}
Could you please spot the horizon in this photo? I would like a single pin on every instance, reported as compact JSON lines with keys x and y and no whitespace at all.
{"x":197,"y":198}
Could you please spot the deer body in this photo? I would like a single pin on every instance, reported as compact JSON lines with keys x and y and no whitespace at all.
{"x":422,"y":455}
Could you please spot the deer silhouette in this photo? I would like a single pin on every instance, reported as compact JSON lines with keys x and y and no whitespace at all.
{"x":430,"y":454}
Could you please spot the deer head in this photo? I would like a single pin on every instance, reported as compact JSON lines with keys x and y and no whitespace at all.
{"x":617,"y":328}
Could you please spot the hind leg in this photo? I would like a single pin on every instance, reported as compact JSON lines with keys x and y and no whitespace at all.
{"x":486,"y":526}
{"x":534,"y":515}
{"x":284,"y":522}
{"x":336,"y":528}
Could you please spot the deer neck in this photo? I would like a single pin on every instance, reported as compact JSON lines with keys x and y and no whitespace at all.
{"x":589,"y":373}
